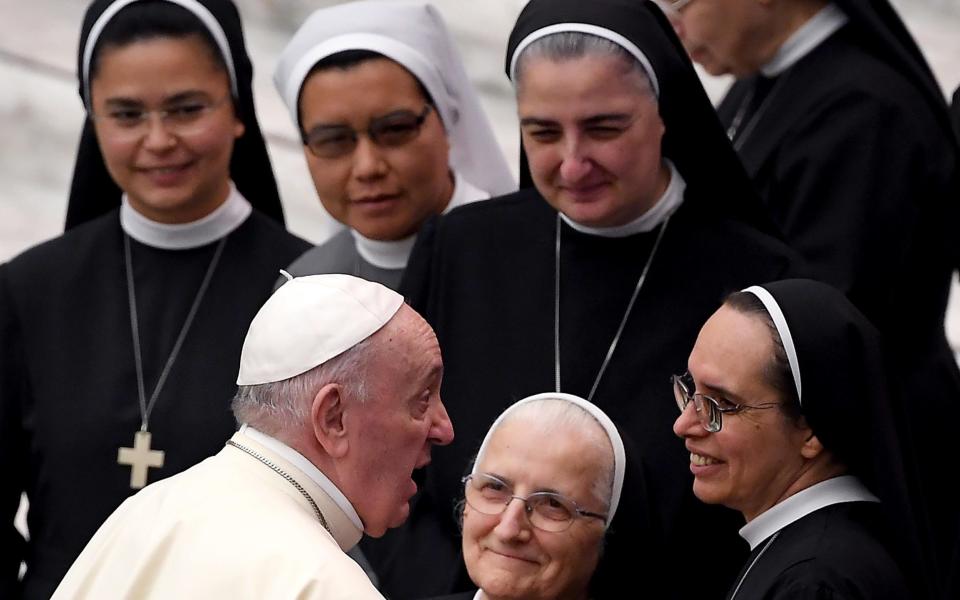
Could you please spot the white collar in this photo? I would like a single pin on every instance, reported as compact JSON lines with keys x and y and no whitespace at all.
{"x":393,"y":254}
{"x":665,"y":206}
{"x":837,"y":490}
{"x":310,"y":469}
{"x":182,"y":236}
{"x":820,"y":26}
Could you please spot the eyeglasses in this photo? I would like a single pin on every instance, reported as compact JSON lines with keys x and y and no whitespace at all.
{"x":546,"y":510}
{"x":392,"y":130}
{"x":181,"y":119}
{"x":709,"y":410}
{"x":676,"y":5}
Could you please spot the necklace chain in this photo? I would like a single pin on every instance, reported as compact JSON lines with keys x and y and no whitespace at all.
{"x":755,"y":118}
{"x":747,"y":572}
{"x":623,"y":321}
{"x":147,"y":407}
{"x":276,"y":469}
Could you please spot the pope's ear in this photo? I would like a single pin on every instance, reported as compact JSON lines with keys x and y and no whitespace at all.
{"x":327,"y":419}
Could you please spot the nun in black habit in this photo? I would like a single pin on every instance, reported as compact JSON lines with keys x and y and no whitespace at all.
{"x":795,"y":424}
{"x":119,"y":340}
{"x":525,"y":298}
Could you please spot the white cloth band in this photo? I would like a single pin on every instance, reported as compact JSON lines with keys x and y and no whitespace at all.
{"x":838,"y":490}
{"x":780,"y":322}
{"x":619,"y":454}
{"x":199,"y":10}
{"x":181,"y":236}
{"x":804,"y":40}
{"x":602,"y":32}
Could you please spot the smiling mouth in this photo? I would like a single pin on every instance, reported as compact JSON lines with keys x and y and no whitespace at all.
{"x":165,"y":169}
{"x":701,"y":460}
{"x":513,"y":556}
{"x":375,"y":199}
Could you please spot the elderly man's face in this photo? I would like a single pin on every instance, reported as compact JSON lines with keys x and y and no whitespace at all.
{"x":725,"y":36}
{"x":400,"y":418}
{"x":592,"y":135}
{"x":504,"y":554}
{"x":752,"y":462}
{"x":380,"y":188}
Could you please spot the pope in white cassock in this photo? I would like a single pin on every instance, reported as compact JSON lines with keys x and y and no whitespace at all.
{"x":338,"y":402}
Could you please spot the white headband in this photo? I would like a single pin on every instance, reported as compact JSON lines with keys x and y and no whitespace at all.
{"x":602,"y":32}
{"x":619,"y":454}
{"x":780,"y":322}
{"x":199,"y":10}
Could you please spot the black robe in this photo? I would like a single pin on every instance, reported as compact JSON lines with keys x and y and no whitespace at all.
{"x":483,"y":276}
{"x":68,"y":388}
{"x":830,"y":554}
{"x":859,"y":173}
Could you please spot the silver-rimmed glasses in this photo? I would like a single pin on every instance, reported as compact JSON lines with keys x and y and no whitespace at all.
{"x":710,"y":411}
{"x":547,"y":511}
{"x":130,"y":121}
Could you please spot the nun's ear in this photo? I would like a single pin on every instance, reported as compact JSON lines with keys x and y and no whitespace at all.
{"x":812,"y":448}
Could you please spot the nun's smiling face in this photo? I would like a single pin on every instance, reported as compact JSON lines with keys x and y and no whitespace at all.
{"x":592,"y":131}
{"x":505,"y":555}
{"x":166,"y":125}
{"x":381,"y":189}
{"x":759,"y":457}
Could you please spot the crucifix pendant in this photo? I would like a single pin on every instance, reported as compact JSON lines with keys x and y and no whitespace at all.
{"x":140,"y":458}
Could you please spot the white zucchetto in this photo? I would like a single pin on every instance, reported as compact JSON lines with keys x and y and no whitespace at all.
{"x":310,"y":320}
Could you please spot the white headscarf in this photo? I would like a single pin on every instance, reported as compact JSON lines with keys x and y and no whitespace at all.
{"x":415,"y":36}
{"x":619,"y":453}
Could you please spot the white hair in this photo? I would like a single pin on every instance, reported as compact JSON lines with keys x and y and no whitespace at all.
{"x":281,"y":406}
{"x":548,"y":416}
{"x":570,"y":45}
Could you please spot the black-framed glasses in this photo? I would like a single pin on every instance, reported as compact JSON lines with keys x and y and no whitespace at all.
{"x":547,"y":511}
{"x":391,"y":130}
{"x":710,"y":411}
{"x":184,"y":117}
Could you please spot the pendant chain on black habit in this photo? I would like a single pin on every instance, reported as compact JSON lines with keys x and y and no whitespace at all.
{"x":741,"y":113}
{"x":623,"y":321}
{"x":747,"y":572}
{"x":276,"y":469}
{"x":141,"y":457}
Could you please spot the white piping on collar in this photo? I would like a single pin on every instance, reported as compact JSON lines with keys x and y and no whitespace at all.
{"x":182,"y":236}
{"x":780,"y":322}
{"x":200,"y":11}
{"x":838,"y":490}
{"x":665,"y":206}
{"x":308,"y":468}
{"x":393,"y":254}
{"x":804,"y":40}
{"x":601,"y":32}
{"x":619,"y":454}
